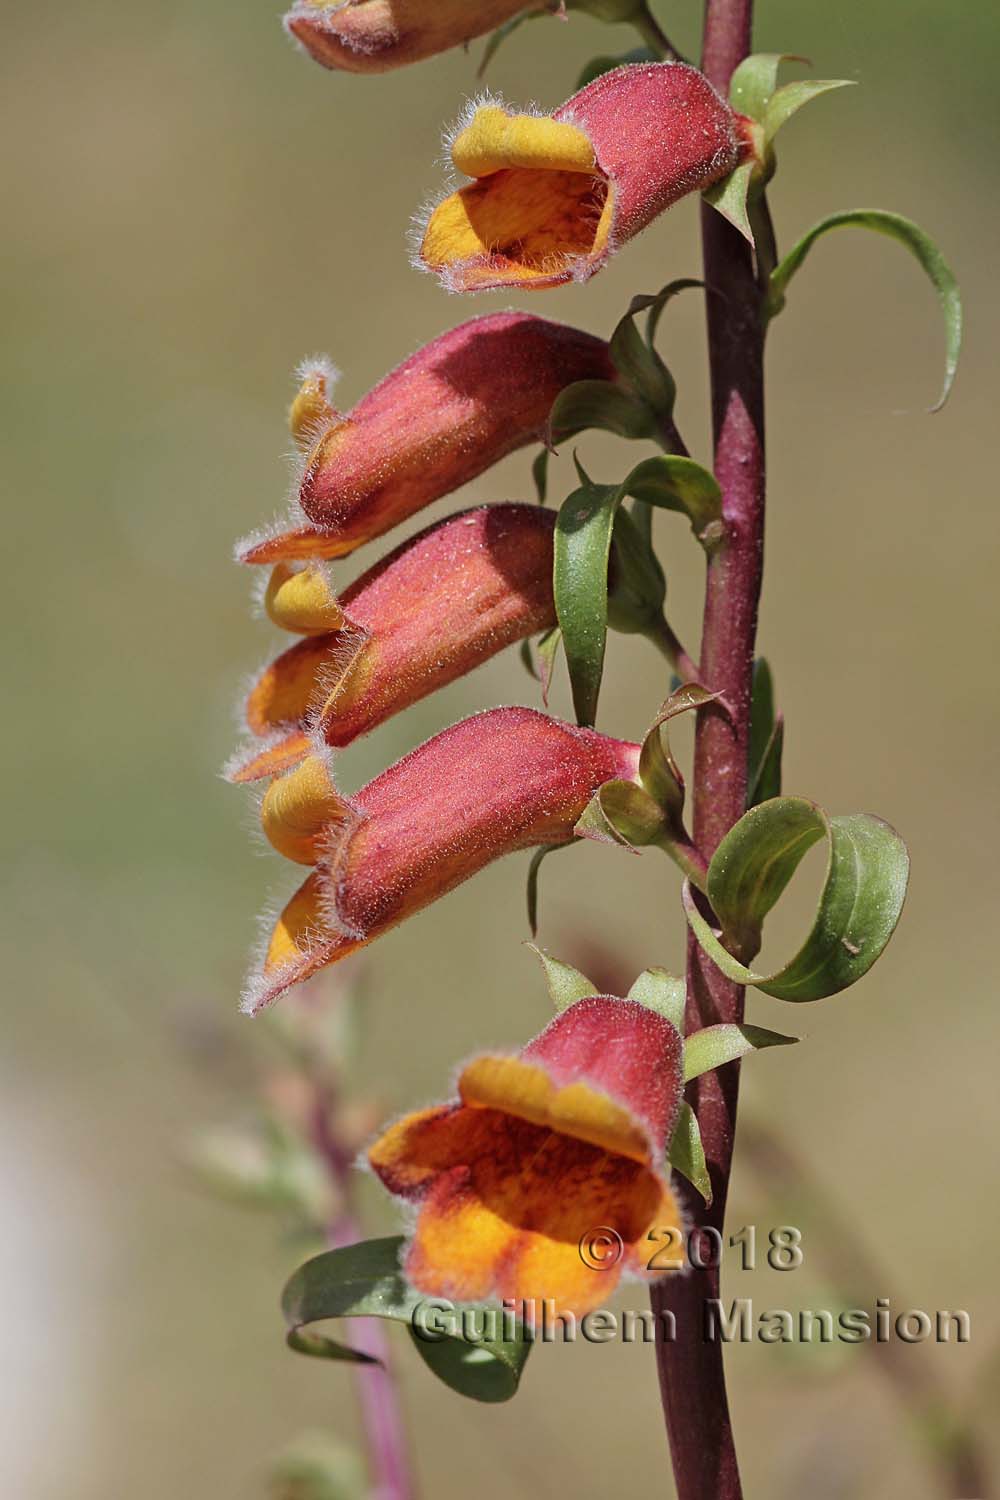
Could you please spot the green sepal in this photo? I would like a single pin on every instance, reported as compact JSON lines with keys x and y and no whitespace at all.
{"x":862,"y":897}
{"x":767,"y":735}
{"x":602,"y":404}
{"x":546,"y":649}
{"x":920,"y":245}
{"x":662,"y":992}
{"x":730,"y":196}
{"x":716,"y":1045}
{"x":686,"y":1153}
{"x":620,"y":812}
{"x":755,"y":80}
{"x":531,"y":891}
{"x":788,"y":100}
{"x":566,"y":985}
{"x":600,"y":65}
{"x":753,"y":91}
{"x":366,"y":1281}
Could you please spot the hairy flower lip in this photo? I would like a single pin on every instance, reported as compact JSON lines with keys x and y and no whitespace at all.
{"x":441,"y":418}
{"x":539,"y":1149}
{"x":553,"y":197}
{"x":503,"y":780}
{"x":435,"y":608}
{"x":374,"y":36}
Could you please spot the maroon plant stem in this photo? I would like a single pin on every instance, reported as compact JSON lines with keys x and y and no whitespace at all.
{"x":378,"y":1396}
{"x":692,"y":1378}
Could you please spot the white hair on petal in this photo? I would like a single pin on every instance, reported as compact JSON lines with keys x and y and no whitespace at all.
{"x":318,"y":365}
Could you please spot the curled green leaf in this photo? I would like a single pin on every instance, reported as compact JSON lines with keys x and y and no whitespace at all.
{"x":862,"y":896}
{"x":474,"y":1349}
{"x":919,"y":244}
{"x":730,"y":196}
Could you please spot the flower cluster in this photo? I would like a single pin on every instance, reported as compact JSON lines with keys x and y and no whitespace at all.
{"x":592,"y":1102}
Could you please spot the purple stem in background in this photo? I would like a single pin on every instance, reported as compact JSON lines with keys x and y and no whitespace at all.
{"x":378,"y":1395}
{"x":692,"y":1378}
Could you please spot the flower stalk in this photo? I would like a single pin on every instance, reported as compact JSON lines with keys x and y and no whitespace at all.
{"x":692,"y":1379}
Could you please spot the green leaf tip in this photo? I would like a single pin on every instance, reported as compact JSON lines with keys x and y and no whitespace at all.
{"x":566,"y":985}
{"x":862,"y":897}
{"x":714,"y":1046}
{"x":920,"y":246}
{"x":366,"y":1281}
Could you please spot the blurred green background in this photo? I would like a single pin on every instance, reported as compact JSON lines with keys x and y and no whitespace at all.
{"x":191,"y":209}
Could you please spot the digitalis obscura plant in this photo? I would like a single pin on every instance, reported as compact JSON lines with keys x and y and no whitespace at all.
{"x":622,"y":1112}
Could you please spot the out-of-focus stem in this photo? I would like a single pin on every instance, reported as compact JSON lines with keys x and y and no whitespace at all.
{"x":692,"y":1378}
{"x":378,"y":1396}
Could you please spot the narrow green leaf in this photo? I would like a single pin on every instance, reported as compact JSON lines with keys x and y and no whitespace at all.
{"x":366,"y":1281}
{"x":686,"y":1153}
{"x":637,"y":586}
{"x":729,"y":198}
{"x":580,"y":586}
{"x":766,"y":738}
{"x":663,"y":992}
{"x":548,"y":650}
{"x":919,"y":244}
{"x":566,"y":985}
{"x":716,"y":1045}
{"x":540,"y":473}
{"x":862,"y":897}
{"x":788,"y":100}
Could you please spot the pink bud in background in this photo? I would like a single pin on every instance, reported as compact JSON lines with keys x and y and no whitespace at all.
{"x":372,"y":36}
{"x":555,"y":195}
{"x":440,"y":419}
{"x":501,"y":781}
{"x":435,"y":608}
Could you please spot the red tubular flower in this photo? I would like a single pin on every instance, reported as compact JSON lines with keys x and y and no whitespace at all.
{"x":555,"y":195}
{"x":501,"y":781}
{"x":540,"y":1151}
{"x":440,"y":419}
{"x":372,"y":36}
{"x":435,"y":608}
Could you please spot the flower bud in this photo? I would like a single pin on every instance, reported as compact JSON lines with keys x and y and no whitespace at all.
{"x":435,"y":608}
{"x":501,"y":781}
{"x":555,"y":195}
{"x":372,"y":36}
{"x":546,"y":1178}
{"x":443,"y":417}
